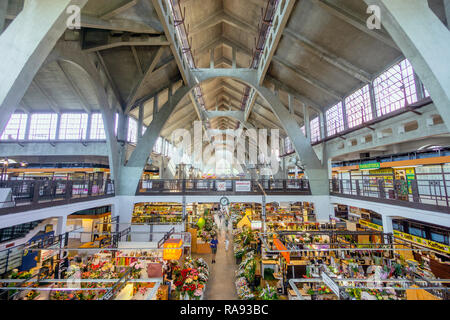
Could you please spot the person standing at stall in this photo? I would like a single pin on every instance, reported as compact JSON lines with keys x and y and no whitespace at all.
{"x":258,"y":246}
{"x":96,"y":234}
{"x":168,"y":270}
{"x":213,"y":244}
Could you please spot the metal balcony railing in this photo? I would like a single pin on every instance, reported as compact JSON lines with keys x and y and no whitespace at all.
{"x":424,"y":194}
{"x":35,"y":194}
{"x":223,"y":186}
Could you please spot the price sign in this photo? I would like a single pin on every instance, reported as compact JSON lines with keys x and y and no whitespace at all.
{"x":330,"y":284}
{"x":221,"y":186}
{"x":242,"y":186}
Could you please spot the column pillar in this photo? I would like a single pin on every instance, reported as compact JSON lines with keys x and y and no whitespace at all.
{"x":140,"y":121}
{"x":58,"y":126}
{"x":425,"y":42}
{"x":61,"y":226}
{"x":3,"y":12}
{"x":419,"y":87}
{"x":447,"y":12}
{"x":27,"y":127}
{"x":387,"y":226}
{"x":323,"y":209}
{"x":184,"y":212}
{"x":344,"y":115}
{"x":322,"y":125}
{"x":211,"y":59}
{"x":307,"y":122}
{"x":122,"y":127}
{"x":123,"y":208}
{"x":162,"y":169}
{"x":373,"y":101}
{"x":25,"y":45}
{"x":263,"y":213}
{"x":88,"y":127}
{"x":291,"y":103}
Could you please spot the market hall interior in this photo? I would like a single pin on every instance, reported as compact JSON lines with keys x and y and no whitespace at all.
{"x":310,"y":138}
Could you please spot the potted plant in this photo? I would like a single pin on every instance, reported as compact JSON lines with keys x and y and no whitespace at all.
{"x":238,"y":255}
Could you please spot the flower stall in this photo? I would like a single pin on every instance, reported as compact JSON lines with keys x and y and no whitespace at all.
{"x":190,"y":279}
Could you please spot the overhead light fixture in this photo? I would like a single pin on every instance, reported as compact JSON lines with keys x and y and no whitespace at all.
{"x":406,"y":167}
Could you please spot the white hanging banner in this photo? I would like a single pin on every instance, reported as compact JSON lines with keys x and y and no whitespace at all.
{"x":221,"y":186}
{"x":242,"y":186}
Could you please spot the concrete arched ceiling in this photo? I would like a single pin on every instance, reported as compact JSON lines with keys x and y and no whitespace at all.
{"x":325,"y":53}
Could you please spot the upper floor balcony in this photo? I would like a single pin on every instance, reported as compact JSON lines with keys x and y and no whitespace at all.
{"x":37,"y":194}
{"x":224,"y":186}
{"x":430,"y":195}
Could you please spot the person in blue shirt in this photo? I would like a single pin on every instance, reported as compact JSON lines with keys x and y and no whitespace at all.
{"x":213,"y":244}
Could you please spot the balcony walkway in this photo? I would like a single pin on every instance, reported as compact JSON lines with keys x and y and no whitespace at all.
{"x":27,"y":195}
{"x":430,"y":195}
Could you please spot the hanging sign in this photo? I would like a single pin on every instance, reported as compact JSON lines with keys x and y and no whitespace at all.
{"x":147,"y":184}
{"x":47,"y":254}
{"x":280,"y":246}
{"x":242,"y":186}
{"x":221,"y":186}
{"x":330,"y":283}
{"x":367,"y":166}
{"x":423,"y":242}
{"x":370,"y":225}
{"x":256,"y":225}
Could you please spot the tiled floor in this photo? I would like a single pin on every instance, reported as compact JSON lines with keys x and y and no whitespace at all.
{"x":222,"y":274}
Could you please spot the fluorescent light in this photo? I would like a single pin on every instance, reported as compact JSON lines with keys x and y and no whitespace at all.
{"x":406,"y":167}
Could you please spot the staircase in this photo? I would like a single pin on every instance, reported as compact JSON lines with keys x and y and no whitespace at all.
{"x":11,"y":258}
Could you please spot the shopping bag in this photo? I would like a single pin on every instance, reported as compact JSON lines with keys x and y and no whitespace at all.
{"x":154,"y":270}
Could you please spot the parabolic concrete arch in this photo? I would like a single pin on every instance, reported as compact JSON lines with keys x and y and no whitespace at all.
{"x":131,"y":172}
{"x":316,"y":171}
{"x":39,"y":25}
{"x":70,"y":52}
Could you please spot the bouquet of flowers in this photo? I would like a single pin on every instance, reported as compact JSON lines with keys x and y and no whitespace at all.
{"x":191,"y":278}
{"x":159,"y":294}
{"x":268,"y":293}
{"x":245,"y":293}
{"x":247,"y":268}
{"x":59,"y":295}
{"x":239,"y":252}
{"x":137,"y":267}
{"x":209,"y":230}
{"x":20,"y":275}
{"x":33,"y":294}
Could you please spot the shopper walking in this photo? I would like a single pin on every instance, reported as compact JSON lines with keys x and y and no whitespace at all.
{"x":227,"y":243}
{"x":213,"y":244}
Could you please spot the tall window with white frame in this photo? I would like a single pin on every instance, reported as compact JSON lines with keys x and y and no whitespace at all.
{"x":16,"y":127}
{"x":73,"y":126}
{"x":335,"y":120}
{"x":158,"y":145}
{"x":116,"y":123}
{"x":288,"y":148}
{"x":43,"y":126}
{"x":132,"y":130}
{"x":395,"y":88}
{"x":315,"y":129}
{"x":358,"y":107}
{"x":97,"y":127}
